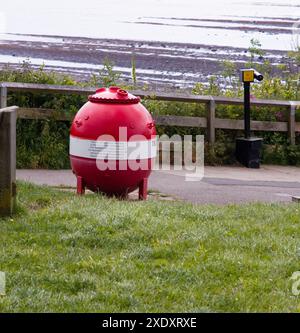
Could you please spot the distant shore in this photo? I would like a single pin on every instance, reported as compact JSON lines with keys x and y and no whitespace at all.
{"x":157,"y":63}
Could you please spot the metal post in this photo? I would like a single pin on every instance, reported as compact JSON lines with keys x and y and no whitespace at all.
{"x":8,"y":118}
{"x":247,"y":109}
{"x":248,"y":149}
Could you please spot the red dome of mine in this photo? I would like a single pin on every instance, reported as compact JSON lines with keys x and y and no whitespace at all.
{"x":113,"y":144}
{"x":113,"y":95}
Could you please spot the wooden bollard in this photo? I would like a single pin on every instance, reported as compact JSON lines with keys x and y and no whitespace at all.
{"x":8,"y":117}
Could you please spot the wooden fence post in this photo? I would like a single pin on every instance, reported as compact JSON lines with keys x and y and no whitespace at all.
{"x":8,"y":117}
{"x":291,"y":123}
{"x":211,"y":113}
{"x":3,"y":97}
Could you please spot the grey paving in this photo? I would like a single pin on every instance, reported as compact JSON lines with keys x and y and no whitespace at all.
{"x":229,"y":185}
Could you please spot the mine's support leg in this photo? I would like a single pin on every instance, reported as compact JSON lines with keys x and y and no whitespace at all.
{"x":80,"y":186}
{"x":143,"y":189}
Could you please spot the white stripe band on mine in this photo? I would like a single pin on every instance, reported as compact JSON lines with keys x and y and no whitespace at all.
{"x":113,"y":150}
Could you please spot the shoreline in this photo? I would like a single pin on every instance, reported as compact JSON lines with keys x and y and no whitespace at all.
{"x":158,"y":63}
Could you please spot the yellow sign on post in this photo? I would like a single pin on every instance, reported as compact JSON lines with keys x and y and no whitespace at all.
{"x":248,"y":75}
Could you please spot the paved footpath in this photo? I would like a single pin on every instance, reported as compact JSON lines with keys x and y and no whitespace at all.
{"x":220,"y":185}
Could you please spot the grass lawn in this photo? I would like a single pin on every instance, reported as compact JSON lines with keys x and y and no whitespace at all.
{"x":62,"y":253}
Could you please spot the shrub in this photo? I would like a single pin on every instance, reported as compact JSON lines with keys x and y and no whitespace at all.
{"x":44,"y":143}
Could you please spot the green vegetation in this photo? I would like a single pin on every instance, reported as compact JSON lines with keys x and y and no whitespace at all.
{"x":63,"y":253}
{"x":296,"y":55}
{"x":255,"y":49}
{"x":106,"y":77}
{"x":44,"y":144}
{"x":133,"y":71}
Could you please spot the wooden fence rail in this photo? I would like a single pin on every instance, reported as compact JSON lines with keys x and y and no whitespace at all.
{"x":210,"y":121}
{"x":8,"y":117}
